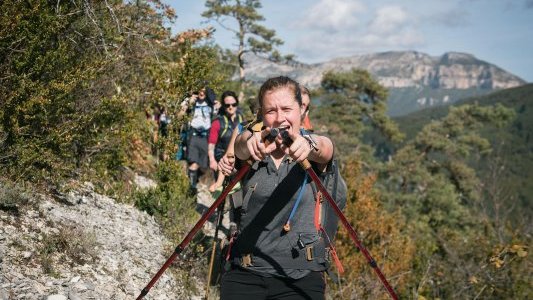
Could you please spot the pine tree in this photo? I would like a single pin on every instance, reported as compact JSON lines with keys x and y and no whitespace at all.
{"x":352,"y":103}
{"x":252,"y":36}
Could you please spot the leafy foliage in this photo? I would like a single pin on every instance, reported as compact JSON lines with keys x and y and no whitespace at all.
{"x":352,"y":103}
{"x":168,"y":202}
{"x":381,"y":232}
{"x":508,"y":169}
{"x":76,"y":76}
{"x":445,"y":217}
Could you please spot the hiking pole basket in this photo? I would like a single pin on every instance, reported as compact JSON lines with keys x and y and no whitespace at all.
{"x":242,"y":171}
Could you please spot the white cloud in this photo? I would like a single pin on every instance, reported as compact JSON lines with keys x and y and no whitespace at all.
{"x":389,"y":27}
{"x":332,"y":15}
{"x":388,"y":20}
{"x":407,"y":38}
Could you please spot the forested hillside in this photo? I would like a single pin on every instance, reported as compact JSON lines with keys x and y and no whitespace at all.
{"x":432,"y":200}
{"x":79,"y":83}
{"x":511,"y":160}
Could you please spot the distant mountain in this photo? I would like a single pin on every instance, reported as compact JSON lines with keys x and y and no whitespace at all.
{"x":415,"y":80}
{"x":514,"y":143}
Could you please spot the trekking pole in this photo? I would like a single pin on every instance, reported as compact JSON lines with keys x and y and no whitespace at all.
{"x":220,"y":216}
{"x":242,"y":171}
{"x":306,"y":165}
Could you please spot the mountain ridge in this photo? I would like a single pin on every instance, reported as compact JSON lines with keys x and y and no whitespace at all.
{"x":423,"y":69}
{"x":415,"y":80}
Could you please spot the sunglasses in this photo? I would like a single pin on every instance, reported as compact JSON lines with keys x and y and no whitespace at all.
{"x":231,"y":105}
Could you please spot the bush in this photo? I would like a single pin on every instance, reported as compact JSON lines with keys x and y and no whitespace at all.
{"x":71,"y":243}
{"x":12,"y":197}
{"x":169,"y":201}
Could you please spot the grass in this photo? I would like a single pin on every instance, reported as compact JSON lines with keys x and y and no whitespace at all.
{"x":70,"y":244}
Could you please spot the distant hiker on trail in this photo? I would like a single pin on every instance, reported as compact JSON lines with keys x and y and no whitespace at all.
{"x":306,"y":103}
{"x":163,"y":122}
{"x":221,"y":130}
{"x":152,"y":117}
{"x":269,"y":260}
{"x":201,"y":109}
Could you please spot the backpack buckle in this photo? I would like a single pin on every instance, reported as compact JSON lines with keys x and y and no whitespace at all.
{"x":309,"y":253}
{"x":246,"y":261}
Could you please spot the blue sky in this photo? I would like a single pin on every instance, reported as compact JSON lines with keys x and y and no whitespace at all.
{"x":496,"y":31}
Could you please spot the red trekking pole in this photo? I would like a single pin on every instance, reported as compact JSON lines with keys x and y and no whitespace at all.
{"x":307,"y":167}
{"x":195,"y":229}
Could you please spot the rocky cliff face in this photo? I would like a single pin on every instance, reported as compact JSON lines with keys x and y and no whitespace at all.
{"x":397,"y":70}
{"x":85,"y":246}
{"x":415,"y":80}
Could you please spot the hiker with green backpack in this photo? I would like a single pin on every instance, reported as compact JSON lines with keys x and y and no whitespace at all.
{"x":281,"y":248}
{"x":229,"y":118}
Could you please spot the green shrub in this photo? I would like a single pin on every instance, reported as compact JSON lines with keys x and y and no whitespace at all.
{"x":12,"y":197}
{"x":169,"y":202}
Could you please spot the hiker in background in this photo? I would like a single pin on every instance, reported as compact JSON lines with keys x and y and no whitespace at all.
{"x":163,"y":122}
{"x":152,"y":117}
{"x":200,"y":108}
{"x":220,"y":133}
{"x":266,"y":260}
{"x":306,"y":103}
{"x":216,"y":107}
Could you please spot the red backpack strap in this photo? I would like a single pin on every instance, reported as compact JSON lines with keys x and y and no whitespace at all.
{"x":318,"y":227}
{"x":318,"y":210}
{"x":333,"y":252}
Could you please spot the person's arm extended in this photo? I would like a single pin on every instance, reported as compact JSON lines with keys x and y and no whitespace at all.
{"x":211,"y":154}
{"x":227,"y":163}
{"x":314,"y":148}
{"x":241,"y":151}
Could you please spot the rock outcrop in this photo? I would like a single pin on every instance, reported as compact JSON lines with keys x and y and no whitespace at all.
{"x":452,"y":70}
{"x":113,"y":251}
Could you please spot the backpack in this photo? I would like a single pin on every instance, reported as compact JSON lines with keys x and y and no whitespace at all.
{"x":224,"y":134}
{"x":210,"y":96}
{"x":336,"y":187}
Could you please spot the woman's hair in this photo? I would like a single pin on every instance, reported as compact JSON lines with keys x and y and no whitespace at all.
{"x":280,"y":82}
{"x":222,"y":109}
{"x":304,"y":90}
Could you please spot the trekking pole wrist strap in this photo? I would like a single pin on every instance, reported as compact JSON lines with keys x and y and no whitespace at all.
{"x":312,"y":142}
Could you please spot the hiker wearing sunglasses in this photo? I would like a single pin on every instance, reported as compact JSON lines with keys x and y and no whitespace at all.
{"x":221,"y":130}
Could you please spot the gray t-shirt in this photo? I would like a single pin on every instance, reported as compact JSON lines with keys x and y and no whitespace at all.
{"x":269,"y":197}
